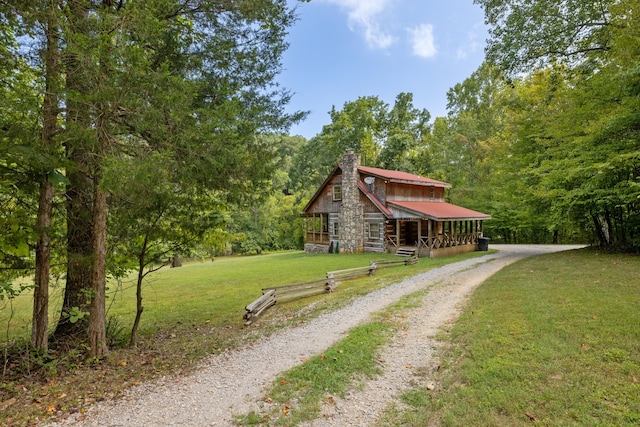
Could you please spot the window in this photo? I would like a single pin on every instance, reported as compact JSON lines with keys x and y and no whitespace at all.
{"x":336,"y":228}
{"x":337,"y":192}
{"x":374,"y":230}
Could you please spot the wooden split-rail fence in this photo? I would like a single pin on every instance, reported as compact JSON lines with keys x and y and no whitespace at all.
{"x":271,"y":295}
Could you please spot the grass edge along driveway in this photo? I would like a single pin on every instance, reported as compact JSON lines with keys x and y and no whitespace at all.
{"x":549,"y":340}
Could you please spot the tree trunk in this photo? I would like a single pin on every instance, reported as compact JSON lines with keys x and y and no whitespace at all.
{"x":97,"y":310}
{"x":175,"y":262}
{"x":139,"y":306}
{"x":79,"y":247}
{"x":598,"y":229}
{"x":609,"y":230}
{"x":40,"y":323}
{"x":80,"y":139}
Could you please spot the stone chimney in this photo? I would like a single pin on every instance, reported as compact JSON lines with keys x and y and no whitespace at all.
{"x":351,"y":216}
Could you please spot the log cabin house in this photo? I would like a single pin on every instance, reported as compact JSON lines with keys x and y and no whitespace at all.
{"x":365,"y":209}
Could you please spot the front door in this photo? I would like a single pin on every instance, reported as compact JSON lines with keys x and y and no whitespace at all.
{"x":411,"y":233}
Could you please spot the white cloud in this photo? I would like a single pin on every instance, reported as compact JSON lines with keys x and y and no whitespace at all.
{"x":363,"y":17}
{"x":472,"y":45}
{"x":422,"y":41}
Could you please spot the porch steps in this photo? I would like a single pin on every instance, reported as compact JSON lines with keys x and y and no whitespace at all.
{"x":406,"y":252}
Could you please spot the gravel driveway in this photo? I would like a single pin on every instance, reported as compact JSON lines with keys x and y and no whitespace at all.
{"x":231,"y":383}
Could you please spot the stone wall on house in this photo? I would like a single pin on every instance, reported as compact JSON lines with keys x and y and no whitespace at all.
{"x":351,"y":216}
{"x":312,"y":248}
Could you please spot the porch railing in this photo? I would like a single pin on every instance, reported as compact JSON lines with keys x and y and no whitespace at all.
{"x":320,"y":238}
{"x":448,"y":240}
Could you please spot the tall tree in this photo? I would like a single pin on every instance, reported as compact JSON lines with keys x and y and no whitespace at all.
{"x":153,"y":217}
{"x":358,"y":125}
{"x":50,"y":128}
{"x":18,"y":133}
{"x":193,"y":80}
{"x":461,"y":147}
{"x":405,"y":130}
{"x":30,"y":156}
{"x":390,"y":137}
{"x":587,"y":165}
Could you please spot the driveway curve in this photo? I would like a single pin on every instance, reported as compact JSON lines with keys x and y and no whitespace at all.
{"x":232,"y":382}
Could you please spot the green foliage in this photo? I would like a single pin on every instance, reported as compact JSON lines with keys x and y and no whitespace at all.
{"x":153,"y":216}
{"x":384,"y":137}
{"x":551,"y":154}
{"x":533,"y":34}
{"x":268,"y":218}
{"x":187,"y":88}
{"x":405,"y":130}
{"x":10,"y":290}
{"x":76,"y":314}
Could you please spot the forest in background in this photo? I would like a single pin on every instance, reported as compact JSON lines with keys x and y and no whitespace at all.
{"x":132,"y":132}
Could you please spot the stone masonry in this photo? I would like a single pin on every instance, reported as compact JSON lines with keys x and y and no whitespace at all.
{"x":351,"y":216}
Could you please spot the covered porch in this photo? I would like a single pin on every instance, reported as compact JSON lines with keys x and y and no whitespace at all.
{"x":434,"y":229}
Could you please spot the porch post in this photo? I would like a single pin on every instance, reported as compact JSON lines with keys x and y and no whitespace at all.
{"x":397,"y":233}
{"x":466,"y":231}
{"x":419,"y":232}
{"x":454,"y":233}
{"x":429,"y":238}
{"x":452,"y":227}
{"x":469,"y":230}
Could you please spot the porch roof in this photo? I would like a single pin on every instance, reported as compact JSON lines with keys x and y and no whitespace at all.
{"x":439,"y":211}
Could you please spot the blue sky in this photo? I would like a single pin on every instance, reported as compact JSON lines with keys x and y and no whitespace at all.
{"x":341,"y":50}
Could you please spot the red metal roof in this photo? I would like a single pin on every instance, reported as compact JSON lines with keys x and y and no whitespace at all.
{"x":398,"y":176}
{"x":375,"y":200}
{"x":439,"y":210}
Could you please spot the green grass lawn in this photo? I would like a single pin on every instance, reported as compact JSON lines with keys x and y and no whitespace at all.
{"x":551,"y":340}
{"x":214,"y":294}
{"x":190,"y":312}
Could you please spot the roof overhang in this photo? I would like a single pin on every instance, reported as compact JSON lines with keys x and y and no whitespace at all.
{"x":322,"y":187}
{"x":439,"y":211}
{"x":372,"y":197}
